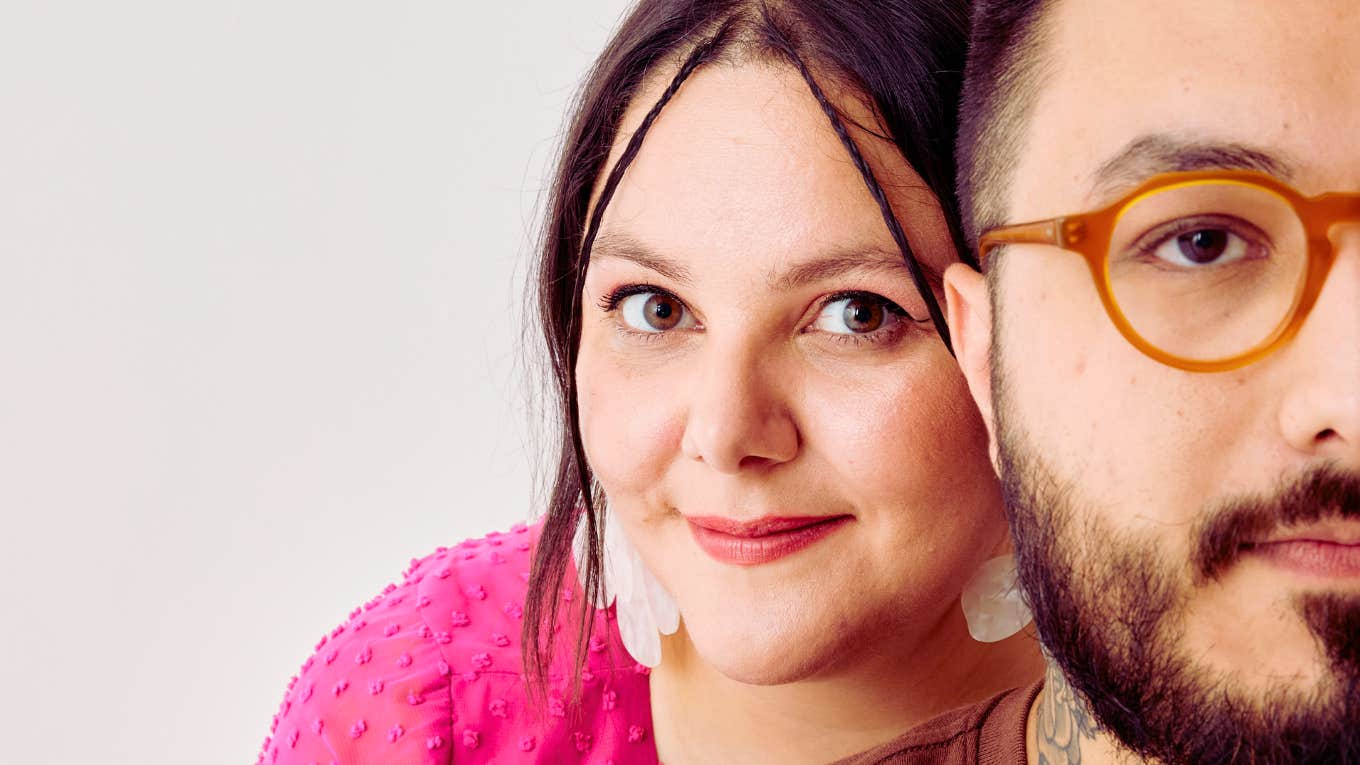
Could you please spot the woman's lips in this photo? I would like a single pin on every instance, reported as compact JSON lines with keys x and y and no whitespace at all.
{"x":750,"y":543}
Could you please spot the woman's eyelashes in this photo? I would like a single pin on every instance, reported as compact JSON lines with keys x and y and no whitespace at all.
{"x":855,"y":317}
{"x":862,"y":317}
{"x":647,"y":310}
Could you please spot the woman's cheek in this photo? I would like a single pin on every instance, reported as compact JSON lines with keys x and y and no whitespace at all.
{"x":863,"y":435}
{"x":903,"y":440}
{"x":631,"y":425}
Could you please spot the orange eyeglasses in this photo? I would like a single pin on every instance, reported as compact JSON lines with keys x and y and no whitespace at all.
{"x":1203,"y":271}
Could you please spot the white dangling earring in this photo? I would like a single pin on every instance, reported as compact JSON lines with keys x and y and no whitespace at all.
{"x":993,"y":604}
{"x":645,"y":610}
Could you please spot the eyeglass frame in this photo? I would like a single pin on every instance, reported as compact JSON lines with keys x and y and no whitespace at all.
{"x":1089,"y":235}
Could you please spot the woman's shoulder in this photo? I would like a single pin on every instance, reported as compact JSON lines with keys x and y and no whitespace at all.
{"x":429,"y":671}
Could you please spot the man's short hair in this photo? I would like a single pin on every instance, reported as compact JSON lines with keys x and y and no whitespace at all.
{"x":1001,"y":82}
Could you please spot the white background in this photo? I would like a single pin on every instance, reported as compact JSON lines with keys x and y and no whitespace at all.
{"x":261,"y":296}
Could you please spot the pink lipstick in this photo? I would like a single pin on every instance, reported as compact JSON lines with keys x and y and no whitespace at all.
{"x":751,"y":543}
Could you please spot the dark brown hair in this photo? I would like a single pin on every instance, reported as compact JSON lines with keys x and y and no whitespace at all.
{"x":1000,"y":83}
{"x":904,"y":58}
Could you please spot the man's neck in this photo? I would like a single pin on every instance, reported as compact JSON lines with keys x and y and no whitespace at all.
{"x":1061,"y":730}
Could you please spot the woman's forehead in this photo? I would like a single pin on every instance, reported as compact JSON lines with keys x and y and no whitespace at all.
{"x":743,"y":159}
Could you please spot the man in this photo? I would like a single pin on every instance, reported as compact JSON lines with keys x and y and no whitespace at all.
{"x":1168,"y":362}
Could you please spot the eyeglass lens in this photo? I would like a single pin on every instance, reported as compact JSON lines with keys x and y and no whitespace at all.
{"x":1207,"y":270}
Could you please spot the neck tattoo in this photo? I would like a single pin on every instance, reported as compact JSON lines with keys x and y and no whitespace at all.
{"x":1062,"y":725}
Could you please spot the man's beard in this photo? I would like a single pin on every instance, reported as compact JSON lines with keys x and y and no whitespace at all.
{"x":1110,"y":616}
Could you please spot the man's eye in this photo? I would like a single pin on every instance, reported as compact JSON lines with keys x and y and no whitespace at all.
{"x":1203,"y":247}
{"x":654,"y":312}
{"x":858,"y":315}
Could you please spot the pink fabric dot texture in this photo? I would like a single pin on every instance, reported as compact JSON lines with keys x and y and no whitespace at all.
{"x":431,"y":673}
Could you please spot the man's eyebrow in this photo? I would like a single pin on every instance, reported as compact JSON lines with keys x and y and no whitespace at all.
{"x":843,"y":262}
{"x":625,"y":247}
{"x":1157,"y":153}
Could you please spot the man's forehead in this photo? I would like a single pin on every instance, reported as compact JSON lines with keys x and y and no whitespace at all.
{"x":1130,"y":90}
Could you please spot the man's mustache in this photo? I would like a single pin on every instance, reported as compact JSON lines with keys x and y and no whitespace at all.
{"x":1221,"y":537}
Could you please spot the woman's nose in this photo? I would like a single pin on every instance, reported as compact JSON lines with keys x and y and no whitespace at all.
{"x":738,"y":417}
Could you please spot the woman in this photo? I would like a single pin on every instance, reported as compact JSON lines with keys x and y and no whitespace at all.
{"x":790,"y":495}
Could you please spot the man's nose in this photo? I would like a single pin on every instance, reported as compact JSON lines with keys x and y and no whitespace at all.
{"x":1321,"y":412}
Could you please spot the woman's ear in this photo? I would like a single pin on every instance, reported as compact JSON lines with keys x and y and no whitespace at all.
{"x":969,"y":313}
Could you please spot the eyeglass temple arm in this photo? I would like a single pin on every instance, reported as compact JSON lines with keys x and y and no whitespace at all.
{"x":1039,"y":232}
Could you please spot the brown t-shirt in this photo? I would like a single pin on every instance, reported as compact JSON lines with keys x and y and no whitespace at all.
{"x":989,"y":733}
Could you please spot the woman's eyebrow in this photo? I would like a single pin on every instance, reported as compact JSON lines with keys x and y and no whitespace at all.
{"x":625,"y":247}
{"x":829,"y":267}
{"x":837,"y":265}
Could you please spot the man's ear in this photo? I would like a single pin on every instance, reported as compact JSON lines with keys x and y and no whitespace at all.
{"x":969,"y":314}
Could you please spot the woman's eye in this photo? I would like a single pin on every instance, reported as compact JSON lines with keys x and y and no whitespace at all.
{"x":654,"y":312}
{"x":1207,"y":246}
{"x":858,"y":315}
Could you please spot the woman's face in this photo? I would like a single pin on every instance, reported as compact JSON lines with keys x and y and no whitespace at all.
{"x":771,"y":415}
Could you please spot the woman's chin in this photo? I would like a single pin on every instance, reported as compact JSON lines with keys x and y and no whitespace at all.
{"x":764,"y":654}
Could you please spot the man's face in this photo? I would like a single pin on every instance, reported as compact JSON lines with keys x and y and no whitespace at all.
{"x":1190,"y":540}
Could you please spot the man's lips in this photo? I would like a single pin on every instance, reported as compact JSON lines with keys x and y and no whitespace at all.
{"x":1329,"y":549}
{"x":749,"y":543}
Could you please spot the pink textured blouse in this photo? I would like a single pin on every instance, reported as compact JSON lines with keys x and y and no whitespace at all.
{"x":429,"y":671}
